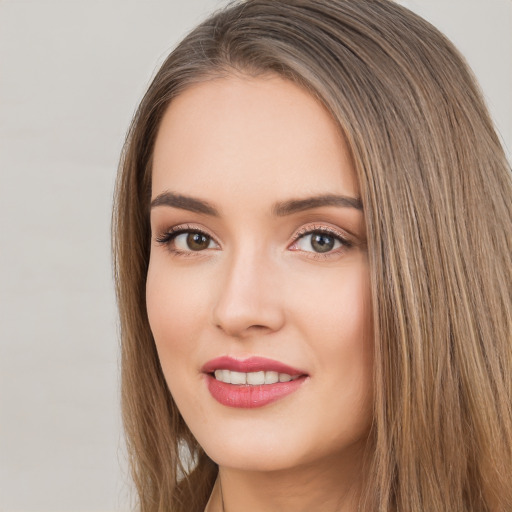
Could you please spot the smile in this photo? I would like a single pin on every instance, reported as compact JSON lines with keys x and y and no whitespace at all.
{"x":252,"y":378}
{"x":252,"y":382}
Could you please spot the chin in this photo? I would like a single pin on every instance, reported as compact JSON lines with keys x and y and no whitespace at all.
{"x":253,"y":452}
{"x":265,"y":452}
{"x":255,"y":460}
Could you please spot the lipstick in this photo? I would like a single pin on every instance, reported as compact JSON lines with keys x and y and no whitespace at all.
{"x":252,"y":382}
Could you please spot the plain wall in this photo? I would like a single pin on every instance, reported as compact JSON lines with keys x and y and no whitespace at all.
{"x":71,"y":74}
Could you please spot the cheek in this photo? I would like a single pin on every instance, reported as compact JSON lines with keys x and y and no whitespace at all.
{"x":338,"y":309}
{"x":339,"y":327}
{"x":176,"y":306}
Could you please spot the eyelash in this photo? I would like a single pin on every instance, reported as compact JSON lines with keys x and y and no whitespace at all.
{"x":168,"y":236}
{"x":323,"y":230}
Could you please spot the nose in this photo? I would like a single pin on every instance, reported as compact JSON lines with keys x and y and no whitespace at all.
{"x":248,"y":301}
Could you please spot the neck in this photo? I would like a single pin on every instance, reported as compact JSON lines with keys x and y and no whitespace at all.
{"x":329,"y":486}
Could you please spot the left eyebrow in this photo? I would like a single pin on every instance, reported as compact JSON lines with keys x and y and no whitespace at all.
{"x":298,"y":205}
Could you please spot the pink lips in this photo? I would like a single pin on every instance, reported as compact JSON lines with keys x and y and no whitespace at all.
{"x":250,"y":396}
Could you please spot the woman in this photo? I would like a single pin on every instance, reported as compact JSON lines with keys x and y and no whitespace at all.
{"x":312,"y":238}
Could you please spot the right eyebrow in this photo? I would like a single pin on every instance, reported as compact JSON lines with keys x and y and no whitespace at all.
{"x":184,"y":202}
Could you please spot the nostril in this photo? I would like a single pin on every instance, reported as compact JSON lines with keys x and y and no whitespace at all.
{"x":243,"y":331}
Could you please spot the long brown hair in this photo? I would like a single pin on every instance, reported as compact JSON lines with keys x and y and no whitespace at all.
{"x":437,"y":196}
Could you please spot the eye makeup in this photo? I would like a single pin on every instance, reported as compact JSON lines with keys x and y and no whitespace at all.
{"x":320,"y":242}
{"x":316,"y":241}
{"x":196,"y":240}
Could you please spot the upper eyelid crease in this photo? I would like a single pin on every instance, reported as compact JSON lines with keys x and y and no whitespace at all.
{"x":308,"y":229}
{"x":183,"y":228}
{"x":170,"y":233}
{"x":325,"y":230}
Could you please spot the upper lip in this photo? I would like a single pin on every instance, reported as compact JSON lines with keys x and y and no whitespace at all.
{"x":251,"y":364}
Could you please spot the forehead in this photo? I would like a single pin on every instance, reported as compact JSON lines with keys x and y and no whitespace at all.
{"x":262,"y":135}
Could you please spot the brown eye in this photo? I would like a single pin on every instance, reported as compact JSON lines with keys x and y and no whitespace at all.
{"x":197,"y":241}
{"x":181,"y":241}
{"x":186,"y":241}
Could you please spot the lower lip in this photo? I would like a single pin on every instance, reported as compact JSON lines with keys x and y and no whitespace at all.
{"x":249,"y":397}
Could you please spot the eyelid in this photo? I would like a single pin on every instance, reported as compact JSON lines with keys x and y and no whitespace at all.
{"x":168,"y":234}
{"x":339,"y":234}
{"x":322,"y":228}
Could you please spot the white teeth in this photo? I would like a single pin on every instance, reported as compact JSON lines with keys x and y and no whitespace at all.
{"x":272,"y":377}
{"x":252,"y":378}
{"x":238,"y":377}
{"x":256,"y":378}
{"x":219,"y":375}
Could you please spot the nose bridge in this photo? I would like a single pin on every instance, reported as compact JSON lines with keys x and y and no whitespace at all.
{"x":247,"y":297}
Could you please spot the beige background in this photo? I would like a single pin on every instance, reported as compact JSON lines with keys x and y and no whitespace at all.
{"x":71,"y":74}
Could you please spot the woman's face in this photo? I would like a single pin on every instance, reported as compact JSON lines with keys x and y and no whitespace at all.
{"x":258,"y":282}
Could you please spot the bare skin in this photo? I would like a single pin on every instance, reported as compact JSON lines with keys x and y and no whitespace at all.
{"x":315,"y":488}
{"x":259,"y":250}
